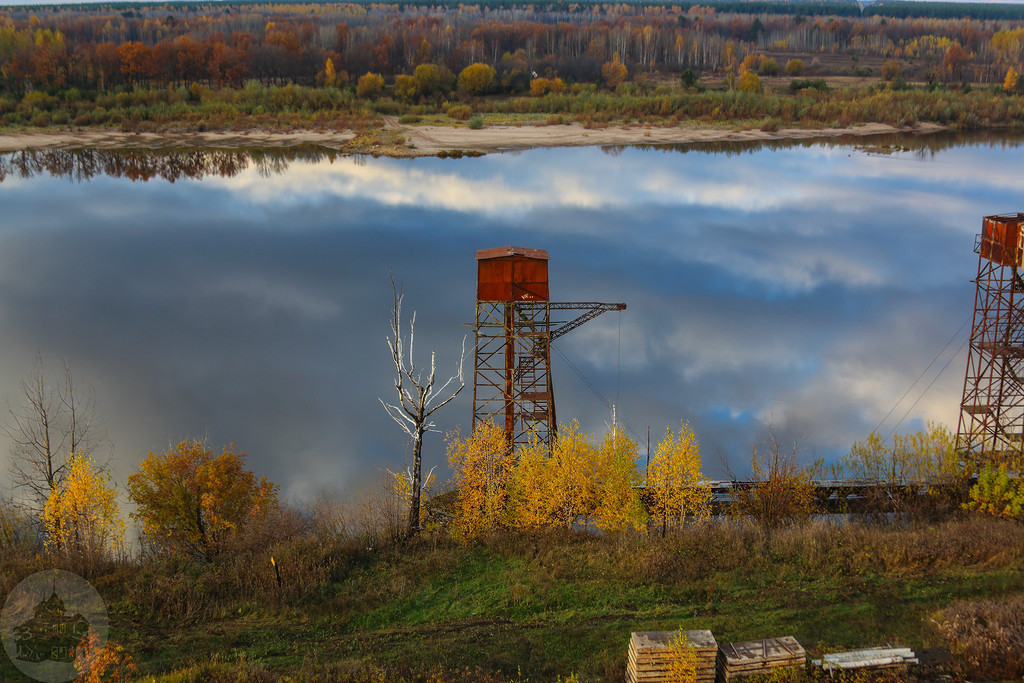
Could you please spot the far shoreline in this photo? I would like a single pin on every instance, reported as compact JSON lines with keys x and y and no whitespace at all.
{"x":432,"y":140}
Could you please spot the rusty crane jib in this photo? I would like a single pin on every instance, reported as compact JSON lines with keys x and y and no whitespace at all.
{"x":512,"y":359}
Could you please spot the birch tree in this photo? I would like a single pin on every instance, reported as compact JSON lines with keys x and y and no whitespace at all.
{"x":678,"y":487}
{"x":51,"y":423}
{"x":418,"y":399}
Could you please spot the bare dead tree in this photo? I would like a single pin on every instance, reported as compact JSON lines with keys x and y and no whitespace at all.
{"x":417,"y":399}
{"x":50,"y":424}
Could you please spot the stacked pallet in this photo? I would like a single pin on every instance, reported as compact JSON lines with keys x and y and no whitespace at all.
{"x":759,"y":657}
{"x":870,"y":658}
{"x":651,"y":655}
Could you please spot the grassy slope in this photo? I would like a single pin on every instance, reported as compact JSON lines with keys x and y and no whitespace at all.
{"x":550,"y":605}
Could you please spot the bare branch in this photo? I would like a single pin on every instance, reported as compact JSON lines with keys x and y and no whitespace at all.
{"x":417,"y":398}
{"x":50,"y":425}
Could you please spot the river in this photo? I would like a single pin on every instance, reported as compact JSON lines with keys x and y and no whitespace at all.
{"x":824,"y":287}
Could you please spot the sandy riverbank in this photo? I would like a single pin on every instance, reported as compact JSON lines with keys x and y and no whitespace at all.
{"x":429,"y":140}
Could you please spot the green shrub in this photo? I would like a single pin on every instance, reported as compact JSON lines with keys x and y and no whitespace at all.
{"x":37,"y":100}
{"x":808,"y":83}
{"x":476,"y":122}
{"x":769,"y":67}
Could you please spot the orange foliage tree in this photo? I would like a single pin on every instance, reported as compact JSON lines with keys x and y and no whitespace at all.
{"x":190,"y":502}
{"x":614,"y":72}
{"x":136,"y":61}
{"x":482,"y":464}
{"x":98,"y":662}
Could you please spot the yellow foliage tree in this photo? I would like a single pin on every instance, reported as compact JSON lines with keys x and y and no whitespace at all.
{"x":614,"y":72}
{"x":405,"y":87}
{"x":925,"y":459}
{"x":427,"y":78}
{"x":677,"y":487}
{"x":1011,"y":80}
{"x":618,"y":506}
{"x":539,"y":86}
{"x":476,"y":79}
{"x":554,"y":489}
{"x":330,"y":75}
{"x":749,"y":82}
{"x":369,"y":85}
{"x":81,"y":517}
{"x":682,"y":659}
{"x":482,"y":464}
{"x":190,"y":502}
{"x":890,"y":69}
{"x":999,"y":491}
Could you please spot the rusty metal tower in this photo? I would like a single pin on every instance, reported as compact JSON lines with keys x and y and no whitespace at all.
{"x":514,"y":331}
{"x":992,"y":409}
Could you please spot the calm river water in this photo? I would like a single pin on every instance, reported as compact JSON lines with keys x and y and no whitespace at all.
{"x":246,"y":298}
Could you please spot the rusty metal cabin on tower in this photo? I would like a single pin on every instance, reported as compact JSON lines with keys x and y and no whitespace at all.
{"x":512,"y":274}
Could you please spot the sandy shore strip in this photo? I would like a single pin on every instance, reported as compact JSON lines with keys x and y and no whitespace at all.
{"x":433,"y":139}
{"x":430,"y":140}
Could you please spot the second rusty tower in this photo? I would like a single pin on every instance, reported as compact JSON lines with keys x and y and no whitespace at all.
{"x":512,"y":383}
{"x":992,"y":408}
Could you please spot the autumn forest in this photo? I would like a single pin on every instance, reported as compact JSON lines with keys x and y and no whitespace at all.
{"x":346,"y":65}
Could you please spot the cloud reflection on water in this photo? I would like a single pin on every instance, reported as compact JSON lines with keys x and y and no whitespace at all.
{"x":807,"y":284}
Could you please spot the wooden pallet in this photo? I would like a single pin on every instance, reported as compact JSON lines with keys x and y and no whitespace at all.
{"x":650,"y":656}
{"x":759,"y":657}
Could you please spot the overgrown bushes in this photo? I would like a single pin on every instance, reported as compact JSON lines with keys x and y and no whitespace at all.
{"x":807,"y":102}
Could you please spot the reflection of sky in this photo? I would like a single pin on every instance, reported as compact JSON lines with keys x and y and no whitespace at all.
{"x":809,"y":286}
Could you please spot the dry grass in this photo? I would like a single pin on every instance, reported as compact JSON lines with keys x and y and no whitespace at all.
{"x":828,"y":549}
{"x":987,"y":636}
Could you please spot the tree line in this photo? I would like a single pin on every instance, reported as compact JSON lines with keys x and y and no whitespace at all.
{"x":99,"y":48}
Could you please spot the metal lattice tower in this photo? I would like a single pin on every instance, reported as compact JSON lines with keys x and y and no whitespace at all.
{"x":992,"y":410}
{"x":514,"y":331}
